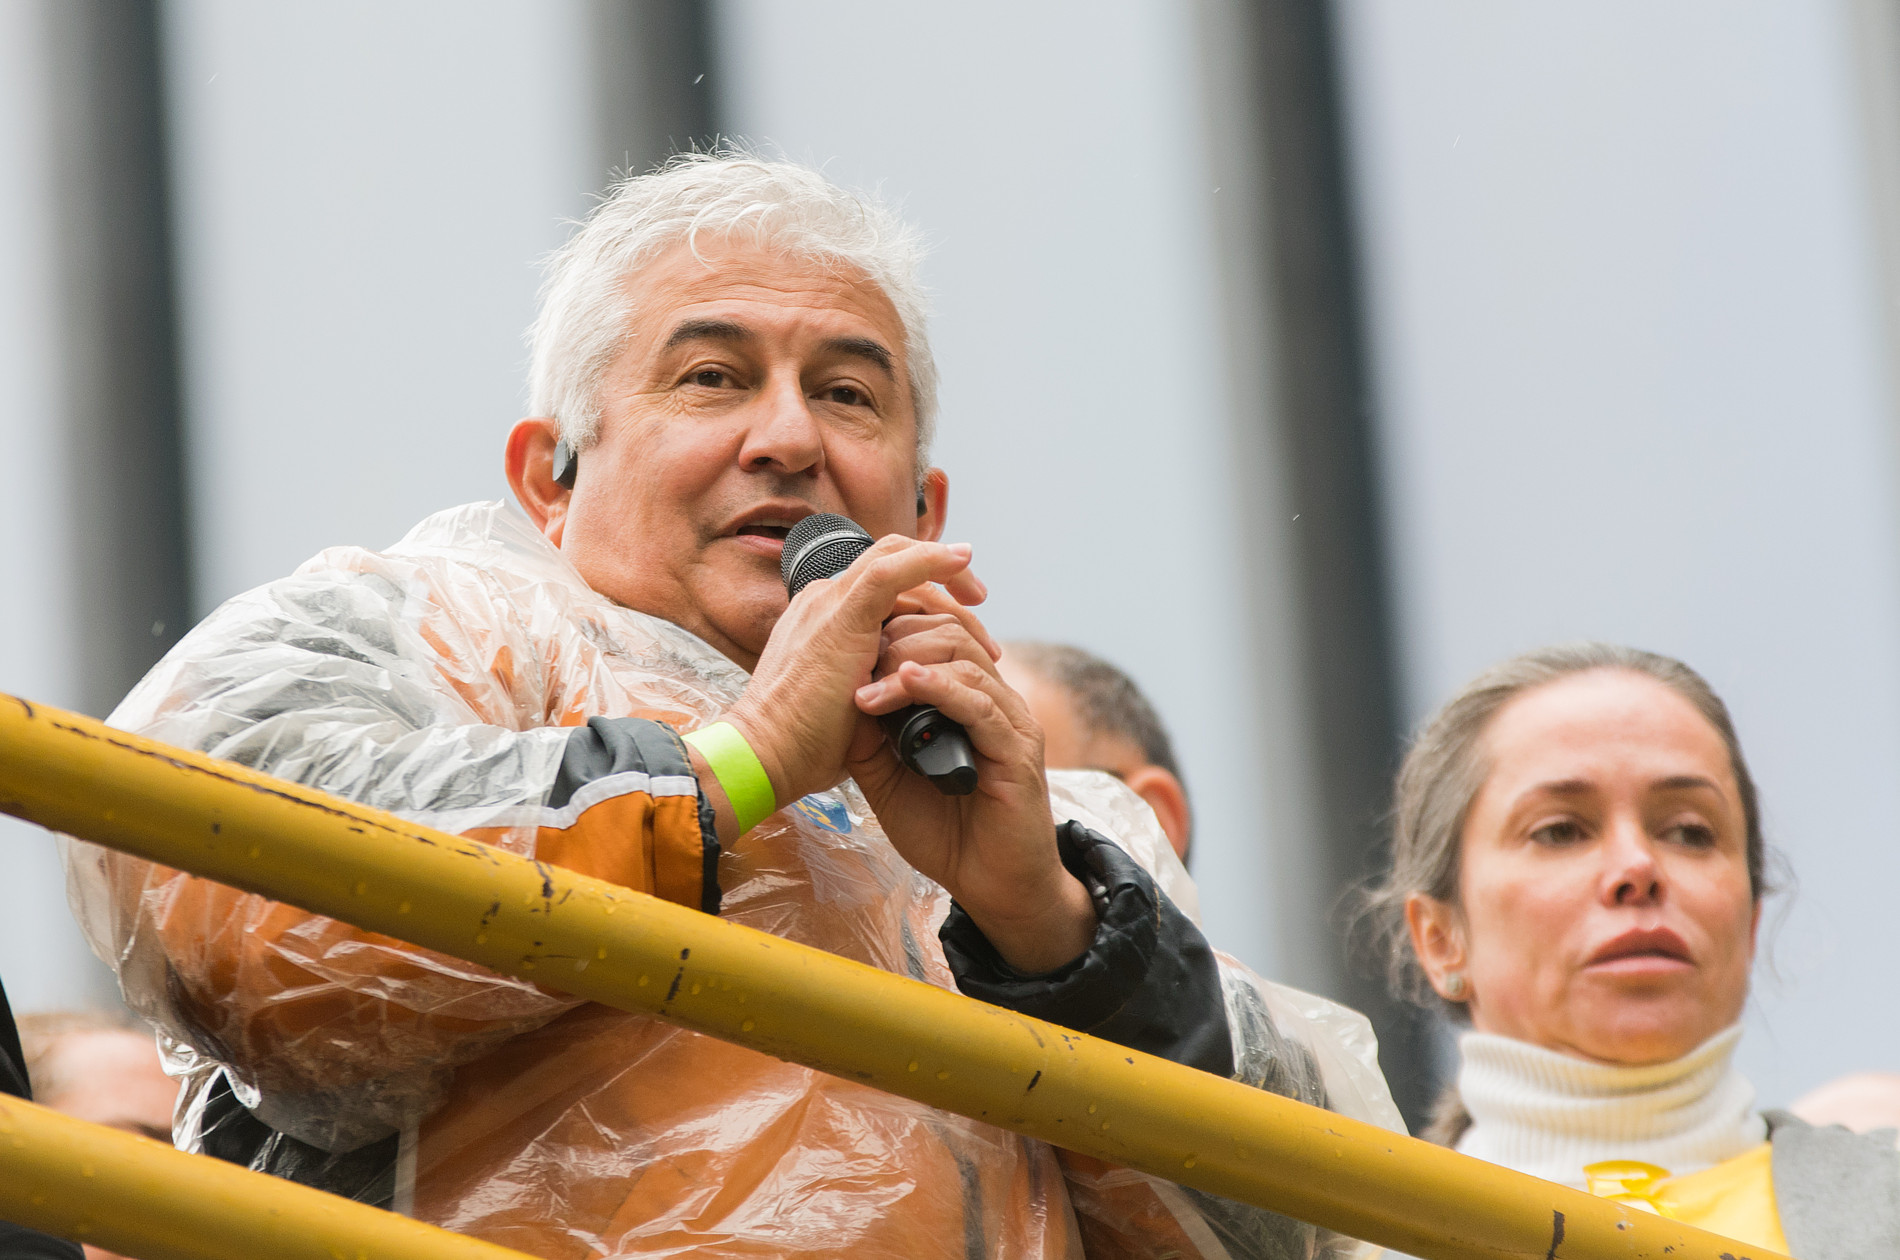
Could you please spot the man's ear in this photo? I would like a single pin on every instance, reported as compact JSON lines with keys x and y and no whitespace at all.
{"x":933,"y":500}
{"x":1168,"y":799}
{"x":1438,"y":938}
{"x":530,"y":466}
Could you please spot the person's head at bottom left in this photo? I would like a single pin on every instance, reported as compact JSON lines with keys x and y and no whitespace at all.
{"x":95,"y":1067}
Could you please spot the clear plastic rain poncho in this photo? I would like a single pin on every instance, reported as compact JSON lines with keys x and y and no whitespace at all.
{"x":437,"y":680}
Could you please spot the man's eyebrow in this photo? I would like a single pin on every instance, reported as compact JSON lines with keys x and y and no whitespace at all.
{"x":728,"y":330}
{"x":708,"y":330}
{"x":864,"y":348}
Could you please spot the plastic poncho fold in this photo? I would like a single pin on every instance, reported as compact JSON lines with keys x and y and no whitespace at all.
{"x":437,"y":680}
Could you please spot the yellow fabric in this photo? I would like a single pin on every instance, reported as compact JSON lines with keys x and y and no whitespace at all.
{"x":1735,"y":1198}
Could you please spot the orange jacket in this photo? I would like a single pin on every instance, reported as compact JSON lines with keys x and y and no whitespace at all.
{"x":443,"y":680}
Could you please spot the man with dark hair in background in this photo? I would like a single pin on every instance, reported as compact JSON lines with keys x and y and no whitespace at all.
{"x":1094,"y":717}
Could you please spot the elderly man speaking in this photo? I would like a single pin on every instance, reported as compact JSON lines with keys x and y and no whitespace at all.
{"x":726,"y":347}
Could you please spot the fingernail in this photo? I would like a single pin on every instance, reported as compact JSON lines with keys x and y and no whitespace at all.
{"x":962,"y":549}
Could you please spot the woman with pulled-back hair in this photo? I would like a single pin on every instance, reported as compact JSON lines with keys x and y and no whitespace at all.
{"x":1578,"y":874}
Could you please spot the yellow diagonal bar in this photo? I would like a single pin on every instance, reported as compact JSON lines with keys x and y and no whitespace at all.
{"x":142,"y":1198}
{"x":637,"y":953}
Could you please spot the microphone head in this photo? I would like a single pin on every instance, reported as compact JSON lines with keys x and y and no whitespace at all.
{"x":820,"y":546}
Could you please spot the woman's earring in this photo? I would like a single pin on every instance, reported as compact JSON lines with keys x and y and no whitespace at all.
{"x":1455,"y":985}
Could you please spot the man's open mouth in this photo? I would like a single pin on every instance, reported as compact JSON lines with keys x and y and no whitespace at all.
{"x":769,"y":522}
{"x":765,"y":530}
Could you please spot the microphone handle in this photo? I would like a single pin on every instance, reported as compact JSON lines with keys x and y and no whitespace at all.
{"x":933,"y":746}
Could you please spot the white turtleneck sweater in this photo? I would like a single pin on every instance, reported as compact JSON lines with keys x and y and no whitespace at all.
{"x":1548,"y":1114}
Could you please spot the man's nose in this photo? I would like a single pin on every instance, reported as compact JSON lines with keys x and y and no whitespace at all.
{"x":1632,"y":876}
{"x":782,"y":434}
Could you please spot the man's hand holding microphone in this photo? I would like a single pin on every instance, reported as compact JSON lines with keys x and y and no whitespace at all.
{"x":894,"y":629}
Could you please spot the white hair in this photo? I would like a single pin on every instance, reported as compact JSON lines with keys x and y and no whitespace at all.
{"x":586,"y":302}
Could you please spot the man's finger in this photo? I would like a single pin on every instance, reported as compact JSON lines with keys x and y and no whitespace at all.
{"x":968,"y":695}
{"x":933,"y":645}
{"x":936,"y":646}
{"x":876,"y":579}
{"x":903,"y":624}
{"x":886,"y":695}
{"x":961,"y":588}
{"x":934,"y":599}
{"x":960,"y":624}
{"x":967,"y":586}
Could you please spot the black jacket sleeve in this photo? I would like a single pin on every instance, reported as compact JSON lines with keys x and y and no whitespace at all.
{"x":17,"y":1243}
{"x":1149,"y":981}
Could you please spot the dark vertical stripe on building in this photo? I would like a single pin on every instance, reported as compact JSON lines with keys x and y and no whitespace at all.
{"x":1321,"y":377}
{"x":123,"y":444}
{"x":658,"y":85}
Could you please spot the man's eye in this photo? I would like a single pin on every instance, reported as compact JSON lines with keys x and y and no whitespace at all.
{"x":709,"y":378}
{"x":845,"y":396}
{"x":1558,"y":833}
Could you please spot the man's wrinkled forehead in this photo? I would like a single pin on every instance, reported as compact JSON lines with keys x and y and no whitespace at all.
{"x":746,"y":295}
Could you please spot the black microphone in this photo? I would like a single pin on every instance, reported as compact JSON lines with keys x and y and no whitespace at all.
{"x":823,"y":546}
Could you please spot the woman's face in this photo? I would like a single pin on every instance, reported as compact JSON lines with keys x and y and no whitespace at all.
{"x":1606,"y":909}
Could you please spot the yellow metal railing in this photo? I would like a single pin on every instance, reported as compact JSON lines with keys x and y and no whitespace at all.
{"x":142,"y":1198}
{"x":637,"y":953}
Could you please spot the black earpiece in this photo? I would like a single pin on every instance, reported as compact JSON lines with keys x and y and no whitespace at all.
{"x":922,"y":506}
{"x":566,"y":464}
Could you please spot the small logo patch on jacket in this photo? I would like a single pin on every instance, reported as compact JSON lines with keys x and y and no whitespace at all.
{"x":823,"y":811}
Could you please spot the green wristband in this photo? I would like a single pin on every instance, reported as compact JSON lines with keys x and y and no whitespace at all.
{"x":737,"y":768}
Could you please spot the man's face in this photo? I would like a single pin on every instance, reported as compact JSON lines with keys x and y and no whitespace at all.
{"x":755,"y":390}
